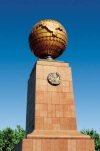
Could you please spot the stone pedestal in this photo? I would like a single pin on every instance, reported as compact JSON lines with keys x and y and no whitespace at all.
{"x":51,"y":120}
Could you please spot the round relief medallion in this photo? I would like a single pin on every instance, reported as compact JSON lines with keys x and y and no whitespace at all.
{"x":54,"y":78}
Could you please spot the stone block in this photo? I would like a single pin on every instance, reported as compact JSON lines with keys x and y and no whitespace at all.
{"x":55,"y":144}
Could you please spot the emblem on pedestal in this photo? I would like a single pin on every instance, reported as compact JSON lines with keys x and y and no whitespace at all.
{"x":54,"y":78}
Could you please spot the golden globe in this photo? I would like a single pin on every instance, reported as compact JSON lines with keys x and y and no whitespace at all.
{"x":48,"y":38}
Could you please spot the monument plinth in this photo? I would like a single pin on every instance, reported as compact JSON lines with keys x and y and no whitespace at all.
{"x":51,"y":119}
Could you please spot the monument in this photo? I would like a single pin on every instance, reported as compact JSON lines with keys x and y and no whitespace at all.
{"x":50,"y":119}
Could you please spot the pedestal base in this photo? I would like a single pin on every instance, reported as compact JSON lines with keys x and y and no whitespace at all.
{"x":51,"y":119}
{"x":56,"y":141}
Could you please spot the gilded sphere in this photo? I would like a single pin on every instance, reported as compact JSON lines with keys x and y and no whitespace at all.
{"x":48,"y":38}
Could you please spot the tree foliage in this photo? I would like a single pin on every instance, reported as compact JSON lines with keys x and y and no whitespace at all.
{"x":9,"y":138}
{"x":94,"y":135}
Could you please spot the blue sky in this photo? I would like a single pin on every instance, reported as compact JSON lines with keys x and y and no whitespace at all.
{"x":82,"y":22}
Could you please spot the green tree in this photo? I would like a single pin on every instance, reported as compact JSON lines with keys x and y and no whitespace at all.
{"x":94,"y":135}
{"x":9,"y":138}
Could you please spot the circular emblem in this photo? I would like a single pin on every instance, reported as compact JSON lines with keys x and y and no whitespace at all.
{"x":54,"y":78}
